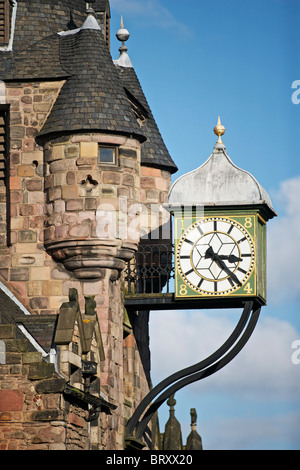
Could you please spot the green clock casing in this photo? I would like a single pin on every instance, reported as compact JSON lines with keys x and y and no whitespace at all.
{"x":221,"y":254}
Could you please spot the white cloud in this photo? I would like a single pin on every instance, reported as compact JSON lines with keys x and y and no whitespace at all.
{"x":284,"y":243}
{"x":263,"y":376}
{"x":255,"y":432}
{"x":265,"y":365}
{"x":152,"y":11}
{"x":262,"y":370}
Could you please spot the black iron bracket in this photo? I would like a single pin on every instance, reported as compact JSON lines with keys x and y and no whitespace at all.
{"x":229,"y":350}
{"x":97,"y":404}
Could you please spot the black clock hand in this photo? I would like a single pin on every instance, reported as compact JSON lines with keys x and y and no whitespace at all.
{"x":223,"y":266}
{"x":211,"y":254}
{"x":231,"y":258}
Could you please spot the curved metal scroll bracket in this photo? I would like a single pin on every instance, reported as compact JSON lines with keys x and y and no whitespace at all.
{"x":137,"y":425}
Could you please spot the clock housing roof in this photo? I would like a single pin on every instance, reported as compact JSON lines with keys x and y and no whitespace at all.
{"x":218,"y":182}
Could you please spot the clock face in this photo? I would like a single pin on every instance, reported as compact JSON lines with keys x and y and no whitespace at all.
{"x":215,"y":256}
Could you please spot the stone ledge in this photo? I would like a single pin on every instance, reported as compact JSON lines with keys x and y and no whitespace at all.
{"x":89,"y":258}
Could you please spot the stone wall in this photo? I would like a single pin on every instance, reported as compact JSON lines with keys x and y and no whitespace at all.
{"x":155,"y":185}
{"x":55,"y":193}
{"x":25,"y":263}
{"x":56,"y":189}
{"x":29,"y":419}
{"x":34,"y":412}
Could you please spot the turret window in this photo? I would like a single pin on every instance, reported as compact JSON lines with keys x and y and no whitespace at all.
{"x":107,"y":155}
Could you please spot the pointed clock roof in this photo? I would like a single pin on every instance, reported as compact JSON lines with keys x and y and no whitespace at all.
{"x":219,"y":182}
{"x":92,"y":98}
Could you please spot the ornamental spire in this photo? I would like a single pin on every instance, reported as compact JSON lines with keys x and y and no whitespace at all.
{"x":172,"y":439}
{"x":123,"y":36}
{"x":194,"y":441}
{"x":219,"y":130}
{"x":89,"y":7}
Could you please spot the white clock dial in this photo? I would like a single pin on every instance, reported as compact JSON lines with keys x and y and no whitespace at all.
{"x":215,"y":256}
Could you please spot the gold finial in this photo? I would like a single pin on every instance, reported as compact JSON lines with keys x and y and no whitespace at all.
{"x":219,"y":130}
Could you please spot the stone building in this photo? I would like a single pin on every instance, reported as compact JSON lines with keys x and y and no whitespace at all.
{"x":80,"y":152}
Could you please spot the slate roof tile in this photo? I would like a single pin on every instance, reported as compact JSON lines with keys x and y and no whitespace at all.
{"x":40,"y":61}
{"x":98,"y":95}
{"x":37,"y":19}
{"x":93,"y":83}
{"x":154,"y":150}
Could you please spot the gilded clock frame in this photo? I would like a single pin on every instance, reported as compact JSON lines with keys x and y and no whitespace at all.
{"x":250,"y":283}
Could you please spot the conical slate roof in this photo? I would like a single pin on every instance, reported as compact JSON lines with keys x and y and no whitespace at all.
{"x":92,"y":99}
{"x":37,"y":19}
{"x":154,"y":151}
{"x":98,"y":95}
{"x":40,"y":61}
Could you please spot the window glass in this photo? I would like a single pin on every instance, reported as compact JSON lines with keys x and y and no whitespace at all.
{"x":107,"y":155}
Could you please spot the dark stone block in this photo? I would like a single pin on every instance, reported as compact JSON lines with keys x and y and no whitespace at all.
{"x":19,"y":274}
{"x":51,"y":386}
{"x":47,"y":415}
{"x":40,"y":371}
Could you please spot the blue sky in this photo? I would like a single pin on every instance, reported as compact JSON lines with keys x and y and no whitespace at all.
{"x":196,"y":60}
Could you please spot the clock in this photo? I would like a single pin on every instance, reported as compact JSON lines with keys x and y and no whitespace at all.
{"x":215,"y":256}
{"x":220,"y":215}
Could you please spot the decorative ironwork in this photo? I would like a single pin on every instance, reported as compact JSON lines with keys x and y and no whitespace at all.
{"x":226,"y":353}
{"x":151,"y":271}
